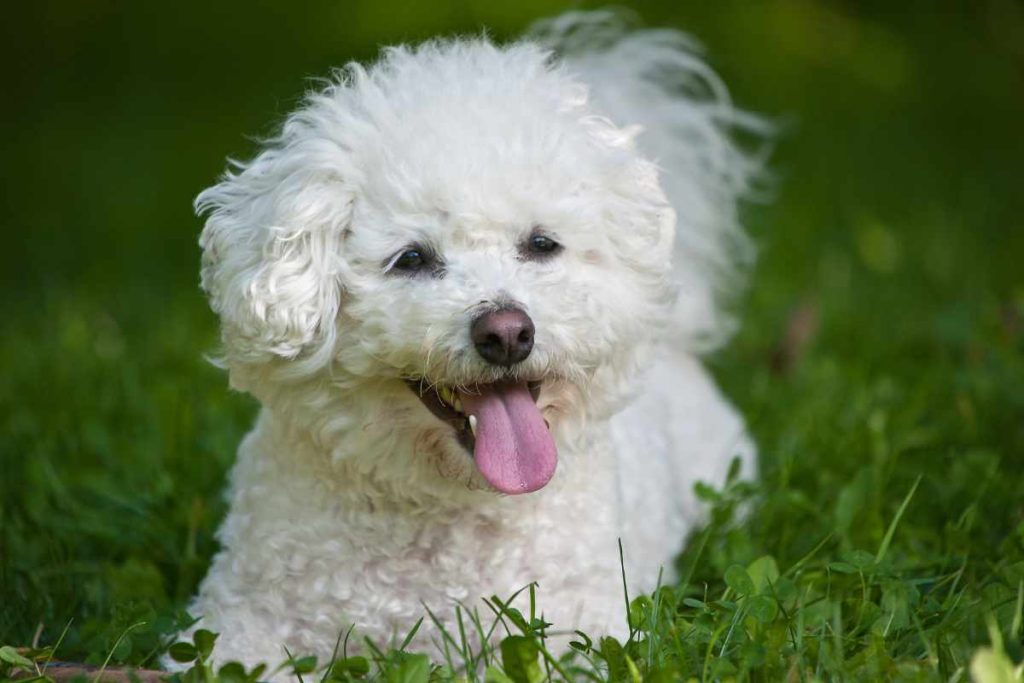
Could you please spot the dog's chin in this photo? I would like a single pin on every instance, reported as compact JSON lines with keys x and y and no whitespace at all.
{"x":499,"y":426}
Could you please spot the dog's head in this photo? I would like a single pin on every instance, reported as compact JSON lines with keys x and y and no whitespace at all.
{"x":448,"y":247}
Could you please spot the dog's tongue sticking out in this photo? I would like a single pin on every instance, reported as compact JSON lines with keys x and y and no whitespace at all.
{"x":514,"y":449}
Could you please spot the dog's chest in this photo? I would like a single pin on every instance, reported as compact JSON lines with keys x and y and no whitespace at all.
{"x":330,"y":556}
{"x":557,"y":539}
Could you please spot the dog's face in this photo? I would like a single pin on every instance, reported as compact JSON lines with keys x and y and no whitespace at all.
{"x":461,"y":257}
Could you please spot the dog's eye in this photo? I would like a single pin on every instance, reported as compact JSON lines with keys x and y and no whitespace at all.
{"x":410,"y":259}
{"x":414,"y":260}
{"x":539,"y":246}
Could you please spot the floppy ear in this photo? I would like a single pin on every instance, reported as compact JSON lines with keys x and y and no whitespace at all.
{"x":272,"y":255}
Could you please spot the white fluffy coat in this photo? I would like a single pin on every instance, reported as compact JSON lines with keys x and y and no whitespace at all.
{"x":350,"y":503}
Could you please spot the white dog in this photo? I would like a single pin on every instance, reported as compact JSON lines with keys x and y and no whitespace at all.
{"x":468,"y":285}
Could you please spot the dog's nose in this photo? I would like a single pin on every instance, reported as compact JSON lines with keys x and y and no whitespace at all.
{"x":503,"y":337}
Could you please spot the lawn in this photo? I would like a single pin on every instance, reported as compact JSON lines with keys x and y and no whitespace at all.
{"x":880,"y":362}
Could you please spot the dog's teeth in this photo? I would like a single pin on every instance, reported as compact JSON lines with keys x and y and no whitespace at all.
{"x":457,"y":404}
{"x":472,"y":424}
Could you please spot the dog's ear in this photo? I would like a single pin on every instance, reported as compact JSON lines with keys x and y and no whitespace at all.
{"x":272,"y":260}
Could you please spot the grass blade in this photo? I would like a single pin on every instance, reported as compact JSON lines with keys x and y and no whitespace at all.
{"x":884,"y":547}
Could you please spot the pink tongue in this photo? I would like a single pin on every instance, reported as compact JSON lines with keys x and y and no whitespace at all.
{"x":514,"y":449}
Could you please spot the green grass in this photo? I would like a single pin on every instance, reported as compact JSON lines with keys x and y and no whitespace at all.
{"x":885,"y":539}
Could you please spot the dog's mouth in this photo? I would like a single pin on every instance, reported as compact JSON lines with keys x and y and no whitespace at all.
{"x":500,"y":424}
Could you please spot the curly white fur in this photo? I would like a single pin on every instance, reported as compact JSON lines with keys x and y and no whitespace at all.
{"x":350,"y":502}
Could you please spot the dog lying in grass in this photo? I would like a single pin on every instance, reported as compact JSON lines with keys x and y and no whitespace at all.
{"x":469,"y":284}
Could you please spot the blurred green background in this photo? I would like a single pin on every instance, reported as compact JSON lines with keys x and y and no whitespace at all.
{"x":898,"y":220}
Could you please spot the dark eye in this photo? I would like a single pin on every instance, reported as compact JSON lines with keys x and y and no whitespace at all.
{"x":409,"y":260}
{"x":539,"y":245}
{"x":414,"y":260}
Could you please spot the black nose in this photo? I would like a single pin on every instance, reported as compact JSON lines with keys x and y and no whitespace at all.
{"x":503,"y":337}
